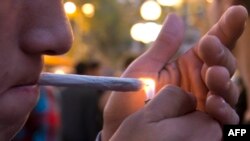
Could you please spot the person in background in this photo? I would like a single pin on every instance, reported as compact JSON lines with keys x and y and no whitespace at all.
{"x":31,"y":29}
{"x":128,"y":61}
{"x":43,"y":123}
{"x":93,"y":67}
{"x":81,"y":115}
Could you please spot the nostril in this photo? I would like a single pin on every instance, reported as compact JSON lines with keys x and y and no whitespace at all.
{"x":50,"y":52}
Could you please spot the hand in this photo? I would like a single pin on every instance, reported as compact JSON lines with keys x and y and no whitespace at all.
{"x":204,"y":70}
{"x":172,"y":116}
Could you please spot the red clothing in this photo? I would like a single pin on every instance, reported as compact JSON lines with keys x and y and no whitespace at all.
{"x":44,"y":120}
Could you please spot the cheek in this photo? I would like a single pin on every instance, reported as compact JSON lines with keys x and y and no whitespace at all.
{"x":9,"y":36}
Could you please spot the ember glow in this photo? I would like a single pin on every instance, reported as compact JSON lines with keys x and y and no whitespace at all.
{"x":149,"y":87}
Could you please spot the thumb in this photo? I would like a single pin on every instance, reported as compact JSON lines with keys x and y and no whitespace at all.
{"x":170,"y":102}
{"x":164,"y":47}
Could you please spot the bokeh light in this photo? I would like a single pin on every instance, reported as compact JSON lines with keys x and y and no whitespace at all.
{"x":88,"y":10}
{"x":136,"y":31}
{"x":69,"y":7}
{"x":169,"y":2}
{"x":145,"y":32}
{"x":209,"y":1}
{"x":150,"y":10}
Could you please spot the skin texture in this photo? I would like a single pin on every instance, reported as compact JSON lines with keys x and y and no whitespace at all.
{"x":149,"y":124}
{"x":204,"y":71}
{"x":242,"y":50}
{"x":28,"y":30}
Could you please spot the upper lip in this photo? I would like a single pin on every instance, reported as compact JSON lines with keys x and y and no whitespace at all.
{"x":27,"y":82}
{"x":31,"y":82}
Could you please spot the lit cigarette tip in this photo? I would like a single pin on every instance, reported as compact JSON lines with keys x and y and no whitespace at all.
{"x":149,"y":87}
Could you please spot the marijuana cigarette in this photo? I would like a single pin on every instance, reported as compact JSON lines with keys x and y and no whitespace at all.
{"x":97,"y":82}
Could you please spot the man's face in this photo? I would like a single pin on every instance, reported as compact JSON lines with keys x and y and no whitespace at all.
{"x":28,"y":30}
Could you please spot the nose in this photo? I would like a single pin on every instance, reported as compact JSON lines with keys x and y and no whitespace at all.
{"x":45,"y":28}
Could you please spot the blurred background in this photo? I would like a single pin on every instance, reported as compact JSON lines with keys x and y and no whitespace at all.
{"x":111,"y":31}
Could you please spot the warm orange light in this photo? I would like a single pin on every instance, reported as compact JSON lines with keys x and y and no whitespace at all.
{"x":59,"y":71}
{"x":88,"y":9}
{"x":69,"y":7}
{"x":149,"y":87}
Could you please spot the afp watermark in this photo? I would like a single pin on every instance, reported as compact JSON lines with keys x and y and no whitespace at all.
{"x":236,"y":132}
